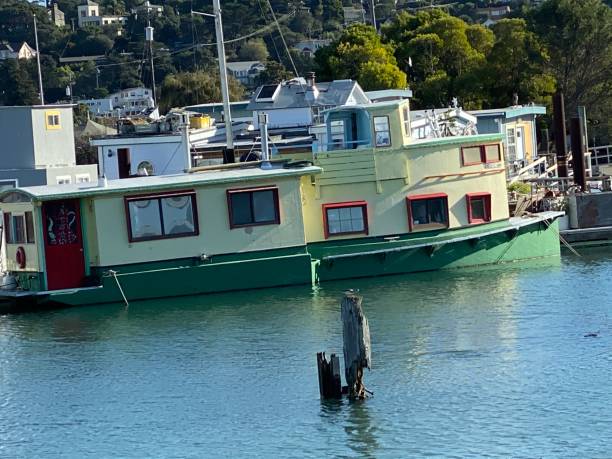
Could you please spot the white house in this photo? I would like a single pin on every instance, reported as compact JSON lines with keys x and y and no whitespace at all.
{"x":125,"y":103}
{"x":301,"y":103}
{"x":309,"y":47}
{"x":246,"y":71}
{"x":16,"y":51}
{"x":353,"y":15}
{"x":89,"y":14}
{"x":148,"y":9}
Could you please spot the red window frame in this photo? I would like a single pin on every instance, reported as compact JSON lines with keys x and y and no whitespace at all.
{"x":487,"y":207}
{"x":234,"y":191}
{"x":483,"y":154}
{"x":423,"y":197}
{"x":339,"y":205}
{"x":158,"y":197}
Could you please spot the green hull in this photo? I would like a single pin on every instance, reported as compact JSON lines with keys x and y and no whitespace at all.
{"x":492,"y":243}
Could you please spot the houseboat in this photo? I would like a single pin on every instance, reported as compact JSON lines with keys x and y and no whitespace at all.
{"x":372,"y":201}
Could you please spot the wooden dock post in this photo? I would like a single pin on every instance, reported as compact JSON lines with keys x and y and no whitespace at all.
{"x":330,"y":385}
{"x":357,"y":348}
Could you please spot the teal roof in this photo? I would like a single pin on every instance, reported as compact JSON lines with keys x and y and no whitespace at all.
{"x":511,"y":112}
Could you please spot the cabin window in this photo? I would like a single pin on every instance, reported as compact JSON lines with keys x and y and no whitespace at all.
{"x":253,"y":207}
{"x":480,"y":154}
{"x":406,"y":114}
{"x":162,"y":216}
{"x":427,"y":212}
{"x":382,"y":132}
{"x":479,"y":207}
{"x":14,"y":228}
{"x":345,"y":218}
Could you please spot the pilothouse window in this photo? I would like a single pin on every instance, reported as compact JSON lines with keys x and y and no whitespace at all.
{"x":382,"y":131}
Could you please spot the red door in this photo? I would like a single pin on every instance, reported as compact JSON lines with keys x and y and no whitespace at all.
{"x":63,"y":244}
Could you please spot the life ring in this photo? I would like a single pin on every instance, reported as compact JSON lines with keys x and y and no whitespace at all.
{"x":20,"y":258}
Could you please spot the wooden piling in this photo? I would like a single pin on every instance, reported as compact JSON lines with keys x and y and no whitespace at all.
{"x":357,"y":348}
{"x":330,"y":385}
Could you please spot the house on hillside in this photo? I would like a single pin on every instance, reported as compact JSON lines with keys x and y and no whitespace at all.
{"x":56,"y":15}
{"x":148,"y":9}
{"x":493,"y":13}
{"x":246,"y":71}
{"x":124,"y":103}
{"x":89,"y":14}
{"x":353,"y":15}
{"x":309,"y":47}
{"x":19,"y":50}
{"x":301,"y":103}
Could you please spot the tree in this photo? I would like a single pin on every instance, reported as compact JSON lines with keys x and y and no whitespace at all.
{"x":274,"y":73}
{"x":188,"y":88}
{"x":253,"y":50}
{"x":517,"y":64}
{"x":446,"y":53}
{"x":359,"y":54}
{"x":16,"y":84}
{"x":578,"y":35}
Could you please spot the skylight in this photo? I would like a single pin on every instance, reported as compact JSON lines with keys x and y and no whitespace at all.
{"x":267,"y":93}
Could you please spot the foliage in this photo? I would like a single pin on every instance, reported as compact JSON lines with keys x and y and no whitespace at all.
{"x":447,"y":55}
{"x":360,"y":54}
{"x":274,"y":73}
{"x":253,"y":50}
{"x":578,"y":36}
{"x":516,"y":65}
{"x":16,"y":85}
{"x":520,"y":188}
{"x":200,"y":87}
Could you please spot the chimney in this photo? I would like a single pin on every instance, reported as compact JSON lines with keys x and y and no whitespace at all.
{"x":310,"y":79}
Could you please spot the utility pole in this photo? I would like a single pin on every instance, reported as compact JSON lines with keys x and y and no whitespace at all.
{"x":40,"y":85}
{"x":228,"y":153}
{"x":373,"y":11}
{"x":149,"y":38}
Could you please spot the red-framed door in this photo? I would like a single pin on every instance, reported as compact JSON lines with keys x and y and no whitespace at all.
{"x":64,"y":260}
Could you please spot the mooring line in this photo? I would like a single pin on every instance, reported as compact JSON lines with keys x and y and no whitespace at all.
{"x":114,"y":274}
{"x":563,"y":241}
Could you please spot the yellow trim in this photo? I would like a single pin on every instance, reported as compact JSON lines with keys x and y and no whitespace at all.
{"x":53,"y":123}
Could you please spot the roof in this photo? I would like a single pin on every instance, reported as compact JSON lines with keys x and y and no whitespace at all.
{"x":239,"y":66}
{"x":13,"y":46}
{"x":389,"y":93}
{"x":88,"y":3}
{"x":158,"y":183}
{"x":292,"y":94}
{"x":511,"y":112}
{"x":37,"y":107}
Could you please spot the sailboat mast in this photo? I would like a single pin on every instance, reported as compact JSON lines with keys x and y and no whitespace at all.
{"x":223,"y":71}
{"x":40,"y":85}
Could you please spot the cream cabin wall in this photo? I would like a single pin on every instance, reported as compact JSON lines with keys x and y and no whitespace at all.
{"x":215,"y":236}
{"x":529,"y":142}
{"x":440,"y":169}
{"x":401,"y":173}
{"x":31,"y":250}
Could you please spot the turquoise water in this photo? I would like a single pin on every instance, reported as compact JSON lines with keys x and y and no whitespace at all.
{"x":469,"y":363}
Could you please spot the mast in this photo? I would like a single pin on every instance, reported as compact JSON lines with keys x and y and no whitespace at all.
{"x":229,"y":137}
{"x":228,"y":152}
{"x":40,"y":85}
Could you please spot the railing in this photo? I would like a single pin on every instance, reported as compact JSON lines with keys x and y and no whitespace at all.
{"x":343,"y":145}
{"x":601,"y":155}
